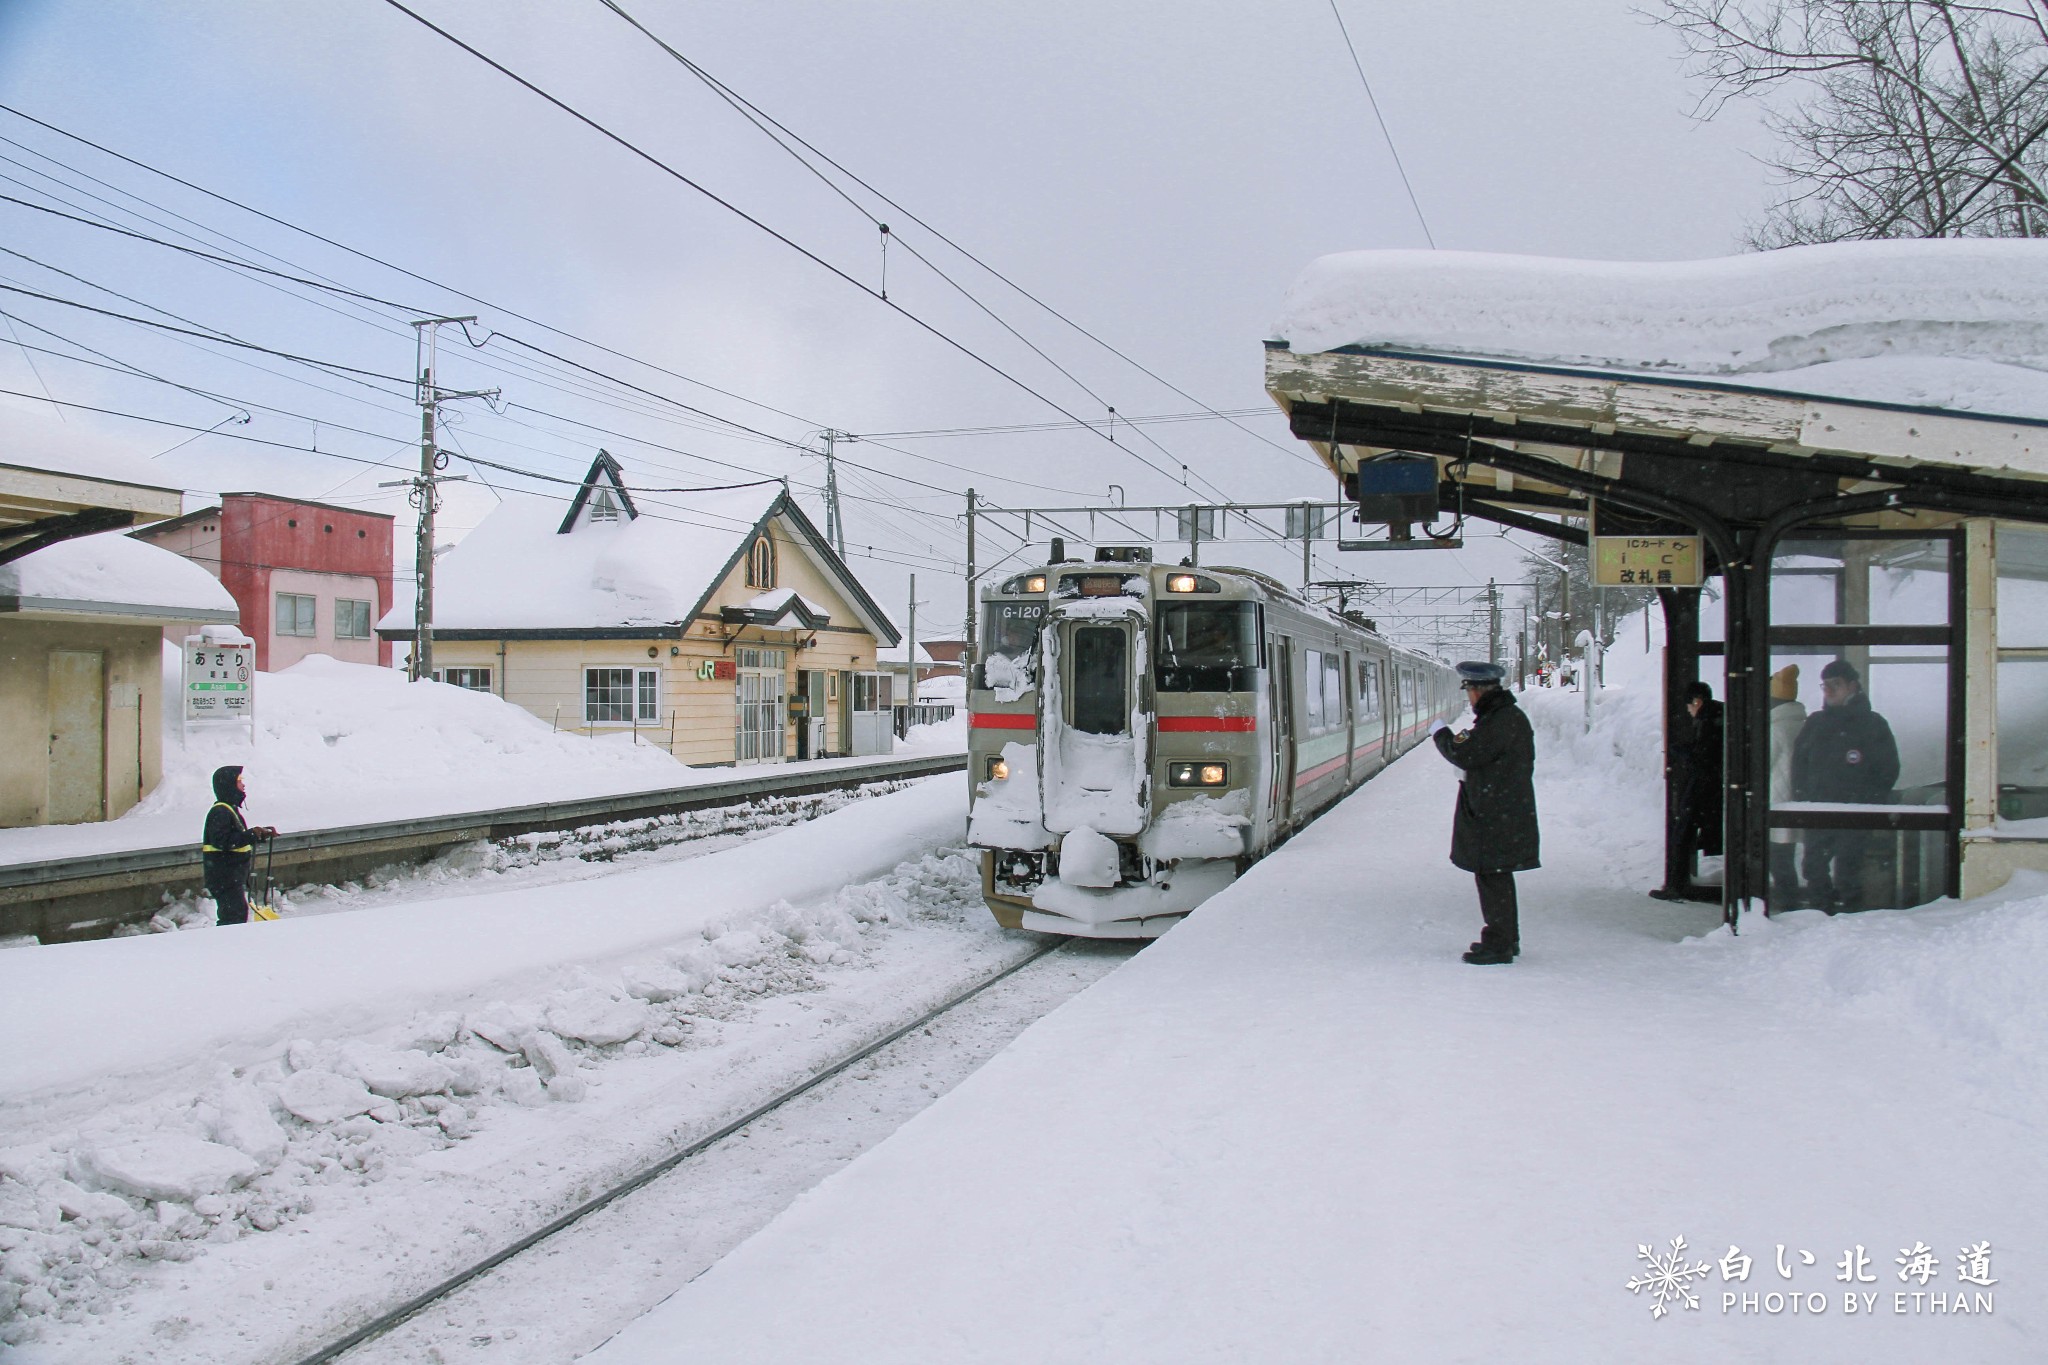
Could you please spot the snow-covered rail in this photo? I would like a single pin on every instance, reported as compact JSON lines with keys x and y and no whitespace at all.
{"x":402,"y":1313}
{"x":72,"y":898}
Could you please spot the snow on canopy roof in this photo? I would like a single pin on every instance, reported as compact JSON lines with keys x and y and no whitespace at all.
{"x":113,"y":570}
{"x":1954,"y":323}
{"x":515,"y":572}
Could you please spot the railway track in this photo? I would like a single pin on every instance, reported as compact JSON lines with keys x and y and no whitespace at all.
{"x":62,"y":899}
{"x":397,"y":1316}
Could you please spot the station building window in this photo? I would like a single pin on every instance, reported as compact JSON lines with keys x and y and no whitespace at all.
{"x":621,"y":696}
{"x":474,"y":679}
{"x":2022,"y":673}
{"x":761,"y":563}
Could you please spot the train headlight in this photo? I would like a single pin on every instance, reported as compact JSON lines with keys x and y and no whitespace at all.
{"x":1180,"y":582}
{"x":998,"y":770}
{"x":1035,"y":583}
{"x":1198,"y":774}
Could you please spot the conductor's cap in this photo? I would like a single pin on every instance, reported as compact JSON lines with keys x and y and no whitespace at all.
{"x":1473,"y":672}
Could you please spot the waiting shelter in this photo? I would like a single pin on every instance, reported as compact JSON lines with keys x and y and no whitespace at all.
{"x":1852,"y":438}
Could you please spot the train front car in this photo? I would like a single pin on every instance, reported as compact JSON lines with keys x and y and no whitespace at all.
{"x":1114,"y":743}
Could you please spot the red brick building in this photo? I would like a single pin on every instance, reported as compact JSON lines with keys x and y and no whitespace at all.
{"x":309,"y":578}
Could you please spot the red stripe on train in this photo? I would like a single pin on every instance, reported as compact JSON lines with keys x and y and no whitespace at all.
{"x":1002,"y":720}
{"x":1183,"y":724}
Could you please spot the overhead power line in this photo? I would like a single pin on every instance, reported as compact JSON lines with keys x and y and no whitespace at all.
{"x":1380,"y":118}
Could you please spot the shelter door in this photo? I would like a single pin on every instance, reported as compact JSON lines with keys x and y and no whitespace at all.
{"x":873,"y":714}
{"x":760,"y":704}
{"x":78,"y":736}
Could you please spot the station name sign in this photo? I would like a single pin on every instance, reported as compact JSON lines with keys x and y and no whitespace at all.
{"x":1646,"y":561}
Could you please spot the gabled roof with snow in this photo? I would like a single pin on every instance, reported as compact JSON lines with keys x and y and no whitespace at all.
{"x":1954,"y":324}
{"x":522,"y":570}
{"x":605,"y":483}
{"x":113,"y":576}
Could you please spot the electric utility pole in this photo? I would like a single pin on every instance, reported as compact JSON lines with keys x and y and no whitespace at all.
{"x":424,"y":490}
{"x":835,"y":521}
{"x":911,"y":653}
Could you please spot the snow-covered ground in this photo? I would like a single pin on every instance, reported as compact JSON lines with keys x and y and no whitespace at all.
{"x":340,"y":1107}
{"x":1298,"y":1128}
{"x":340,"y":744}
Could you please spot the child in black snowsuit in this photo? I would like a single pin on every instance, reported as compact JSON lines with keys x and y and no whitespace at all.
{"x":227,"y":849}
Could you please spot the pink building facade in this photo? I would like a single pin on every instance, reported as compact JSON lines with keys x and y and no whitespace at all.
{"x":310,"y":578}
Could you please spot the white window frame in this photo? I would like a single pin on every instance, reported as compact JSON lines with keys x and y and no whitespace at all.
{"x":347,"y":630}
{"x":310,"y":616}
{"x":482,"y":676}
{"x":643,"y":695}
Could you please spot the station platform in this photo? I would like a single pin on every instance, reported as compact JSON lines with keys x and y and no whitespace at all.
{"x":1299,"y":1128}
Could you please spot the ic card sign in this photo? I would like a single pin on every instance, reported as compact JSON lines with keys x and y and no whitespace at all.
{"x":1646,"y":561}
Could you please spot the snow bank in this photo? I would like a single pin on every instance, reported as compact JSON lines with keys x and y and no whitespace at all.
{"x":115,"y":569}
{"x":1958,"y":323}
{"x":81,"y":1014}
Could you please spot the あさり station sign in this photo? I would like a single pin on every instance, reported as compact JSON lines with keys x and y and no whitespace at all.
{"x":1646,"y":561}
{"x":220,"y":678}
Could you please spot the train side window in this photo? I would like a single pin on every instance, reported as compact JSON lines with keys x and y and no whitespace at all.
{"x":1312,"y":688}
{"x":1333,"y":691}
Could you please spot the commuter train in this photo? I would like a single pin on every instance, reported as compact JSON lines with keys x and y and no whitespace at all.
{"x":1138,"y":735}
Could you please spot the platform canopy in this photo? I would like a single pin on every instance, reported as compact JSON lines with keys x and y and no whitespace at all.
{"x":1874,"y":389}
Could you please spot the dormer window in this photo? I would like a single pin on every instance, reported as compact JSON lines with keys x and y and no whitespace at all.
{"x":761,"y":564}
{"x":602,"y":507}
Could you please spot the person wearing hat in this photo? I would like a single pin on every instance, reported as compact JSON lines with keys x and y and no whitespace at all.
{"x":1845,"y":753}
{"x":1788,"y":715}
{"x":1494,"y":833}
{"x":1697,"y":764}
{"x":227,"y":848}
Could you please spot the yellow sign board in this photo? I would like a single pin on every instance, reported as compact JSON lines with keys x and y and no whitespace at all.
{"x":1646,"y":561}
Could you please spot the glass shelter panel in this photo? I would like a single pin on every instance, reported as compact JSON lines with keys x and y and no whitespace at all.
{"x":2022,"y":588}
{"x":1859,"y":581}
{"x":2022,"y":673}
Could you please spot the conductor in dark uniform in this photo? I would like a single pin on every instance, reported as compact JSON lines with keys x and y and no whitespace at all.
{"x":1494,"y":835}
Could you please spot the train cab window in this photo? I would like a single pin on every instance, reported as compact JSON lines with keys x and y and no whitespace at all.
{"x":1207,"y":647}
{"x":1101,"y":681}
{"x":1012,"y":628}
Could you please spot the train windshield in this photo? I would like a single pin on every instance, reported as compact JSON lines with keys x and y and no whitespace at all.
{"x":1012,"y":628}
{"x":1102,"y":702}
{"x":1206,"y":647}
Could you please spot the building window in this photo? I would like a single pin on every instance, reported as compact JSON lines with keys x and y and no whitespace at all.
{"x":621,"y":696}
{"x":295,"y":614}
{"x":475,"y":679}
{"x":602,"y":508}
{"x":761,"y":564}
{"x":351,"y":619}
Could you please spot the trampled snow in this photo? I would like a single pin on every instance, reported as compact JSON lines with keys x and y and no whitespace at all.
{"x":115,"y":569}
{"x":1954,"y":323}
{"x":1299,"y":1128}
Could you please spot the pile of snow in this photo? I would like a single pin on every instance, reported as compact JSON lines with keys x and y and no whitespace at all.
{"x":113,"y":569}
{"x":333,"y":738}
{"x":83,"y":1211}
{"x":176,"y":1091}
{"x":1954,"y":323}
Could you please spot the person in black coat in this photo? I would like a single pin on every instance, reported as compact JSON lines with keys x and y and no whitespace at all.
{"x":228,"y":847}
{"x":1697,"y":756}
{"x":1845,"y":753}
{"x":1494,"y":834}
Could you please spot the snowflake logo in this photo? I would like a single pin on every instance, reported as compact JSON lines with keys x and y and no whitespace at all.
{"x":1667,"y":1277}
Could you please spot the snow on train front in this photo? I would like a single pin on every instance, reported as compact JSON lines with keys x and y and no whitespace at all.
{"x":1113,"y":743}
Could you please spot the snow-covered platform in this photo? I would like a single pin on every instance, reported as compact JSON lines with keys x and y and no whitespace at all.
{"x":1298,"y":1128}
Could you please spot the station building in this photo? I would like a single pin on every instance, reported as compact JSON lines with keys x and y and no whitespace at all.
{"x":718,"y":625}
{"x":83,"y":614}
{"x":308,"y":577}
{"x":1854,"y":440}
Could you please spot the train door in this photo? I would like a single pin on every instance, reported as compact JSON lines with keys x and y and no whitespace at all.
{"x":1281,"y":681}
{"x":1095,"y":750}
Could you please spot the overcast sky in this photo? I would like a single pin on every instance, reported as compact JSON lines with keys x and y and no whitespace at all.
{"x":1156,"y":172}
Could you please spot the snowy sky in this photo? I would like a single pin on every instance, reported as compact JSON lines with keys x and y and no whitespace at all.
{"x":1159,"y":173}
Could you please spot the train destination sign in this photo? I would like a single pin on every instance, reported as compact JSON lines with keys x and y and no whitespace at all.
{"x":1646,"y":561}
